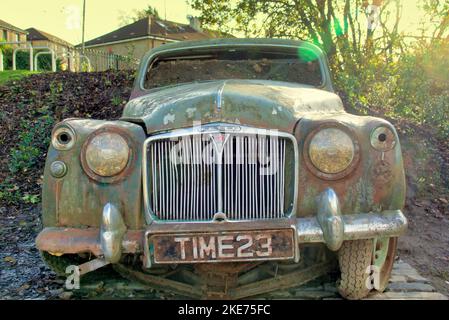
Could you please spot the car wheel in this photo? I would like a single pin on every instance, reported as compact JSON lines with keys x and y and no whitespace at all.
{"x":384,"y":254}
{"x":365,"y":265}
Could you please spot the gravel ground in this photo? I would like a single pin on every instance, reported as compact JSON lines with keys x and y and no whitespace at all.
{"x":23,"y":275}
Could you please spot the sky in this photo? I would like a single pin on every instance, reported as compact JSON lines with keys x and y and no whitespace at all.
{"x":62,"y":18}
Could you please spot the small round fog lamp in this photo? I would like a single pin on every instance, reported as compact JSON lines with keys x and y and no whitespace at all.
{"x":58,"y":169}
{"x":383,"y":139}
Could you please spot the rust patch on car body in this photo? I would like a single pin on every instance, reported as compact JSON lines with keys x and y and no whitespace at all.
{"x":75,"y":240}
{"x":247,"y":102}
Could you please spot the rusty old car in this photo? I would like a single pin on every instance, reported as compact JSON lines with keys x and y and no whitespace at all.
{"x":233,"y":171}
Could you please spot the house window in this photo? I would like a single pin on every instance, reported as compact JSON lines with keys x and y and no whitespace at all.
{"x":17,"y":37}
{"x":5,"y":35}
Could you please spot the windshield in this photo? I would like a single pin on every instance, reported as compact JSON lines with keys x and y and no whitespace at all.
{"x":241,"y":63}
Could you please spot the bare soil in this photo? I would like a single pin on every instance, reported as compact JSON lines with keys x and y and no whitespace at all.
{"x":102,"y":95}
{"x":426,"y":244}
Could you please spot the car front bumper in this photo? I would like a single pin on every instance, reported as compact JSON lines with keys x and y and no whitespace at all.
{"x":329,"y":226}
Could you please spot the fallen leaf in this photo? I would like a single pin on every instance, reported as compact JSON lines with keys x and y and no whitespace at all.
{"x":10,"y":260}
{"x":66,"y":295}
{"x":257,"y":68}
{"x":443,"y":258}
{"x":24,"y":287}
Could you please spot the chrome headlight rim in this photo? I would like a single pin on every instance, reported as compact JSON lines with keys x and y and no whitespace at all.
{"x":131,"y":155}
{"x":355,"y":159}
{"x":383,"y":138}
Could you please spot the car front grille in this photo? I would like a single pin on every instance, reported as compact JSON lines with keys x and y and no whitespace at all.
{"x":243,"y":173}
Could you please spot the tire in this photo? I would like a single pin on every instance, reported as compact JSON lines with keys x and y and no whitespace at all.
{"x":355,"y":259}
{"x":58,"y":264}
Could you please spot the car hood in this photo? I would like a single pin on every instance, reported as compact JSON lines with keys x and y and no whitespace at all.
{"x":261,"y":104}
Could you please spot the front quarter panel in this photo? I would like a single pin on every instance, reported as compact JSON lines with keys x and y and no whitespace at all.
{"x":376,"y":183}
{"x":77,"y":199}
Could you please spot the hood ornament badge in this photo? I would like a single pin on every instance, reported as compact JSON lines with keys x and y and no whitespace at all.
{"x":220,"y":97}
{"x":219,"y":140}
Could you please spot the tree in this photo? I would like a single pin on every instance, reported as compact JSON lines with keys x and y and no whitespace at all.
{"x":345,"y":29}
{"x":138,"y":14}
{"x":437,"y":12}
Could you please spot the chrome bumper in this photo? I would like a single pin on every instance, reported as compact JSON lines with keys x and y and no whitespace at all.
{"x":332,"y":228}
{"x":329,"y":227}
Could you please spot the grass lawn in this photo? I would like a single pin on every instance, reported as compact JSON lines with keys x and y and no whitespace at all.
{"x":9,"y":75}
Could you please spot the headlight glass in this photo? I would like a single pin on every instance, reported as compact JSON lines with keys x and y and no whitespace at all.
{"x":331,"y":150}
{"x":107,"y":154}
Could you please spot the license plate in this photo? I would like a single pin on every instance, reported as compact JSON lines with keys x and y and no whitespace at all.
{"x":223,"y":246}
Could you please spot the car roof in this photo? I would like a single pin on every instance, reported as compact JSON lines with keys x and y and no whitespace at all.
{"x":233,"y":41}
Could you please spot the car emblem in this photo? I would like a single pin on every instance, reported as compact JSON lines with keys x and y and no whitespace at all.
{"x":219,"y":140}
{"x":221,"y":128}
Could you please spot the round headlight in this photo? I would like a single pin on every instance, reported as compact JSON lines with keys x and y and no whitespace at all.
{"x":331,"y":150}
{"x":107,"y":154}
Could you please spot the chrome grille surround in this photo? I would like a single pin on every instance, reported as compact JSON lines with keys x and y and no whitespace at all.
{"x":225,"y":195}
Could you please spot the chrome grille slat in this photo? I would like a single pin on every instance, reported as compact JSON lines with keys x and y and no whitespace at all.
{"x":281,"y":173}
{"x":270,"y":193}
{"x":238,"y":178}
{"x":245,"y":181}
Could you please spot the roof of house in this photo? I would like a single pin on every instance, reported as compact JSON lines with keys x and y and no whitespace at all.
{"x":6,"y":25}
{"x":153,"y":27}
{"x":35,"y":35}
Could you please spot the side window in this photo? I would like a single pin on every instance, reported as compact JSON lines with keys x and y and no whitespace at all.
{"x":5,"y":35}
{"x":17,"y":37}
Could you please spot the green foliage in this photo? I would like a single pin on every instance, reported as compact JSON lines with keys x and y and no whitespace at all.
{"x":9,"y":193}
{"x":32,"y":106}
{"x":6,"y":76}
{"x":377,"y":71}
{"x":148,"y":11}
{"x":33,"y":199}
{"x":138,"y":15}
{"x":116,"y":101}
{"x":32,"y":135}
{"x":44,"y":63}
{"x":414,"y":87}
{"x":23,"y":59}
{"x":56,"y":88}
